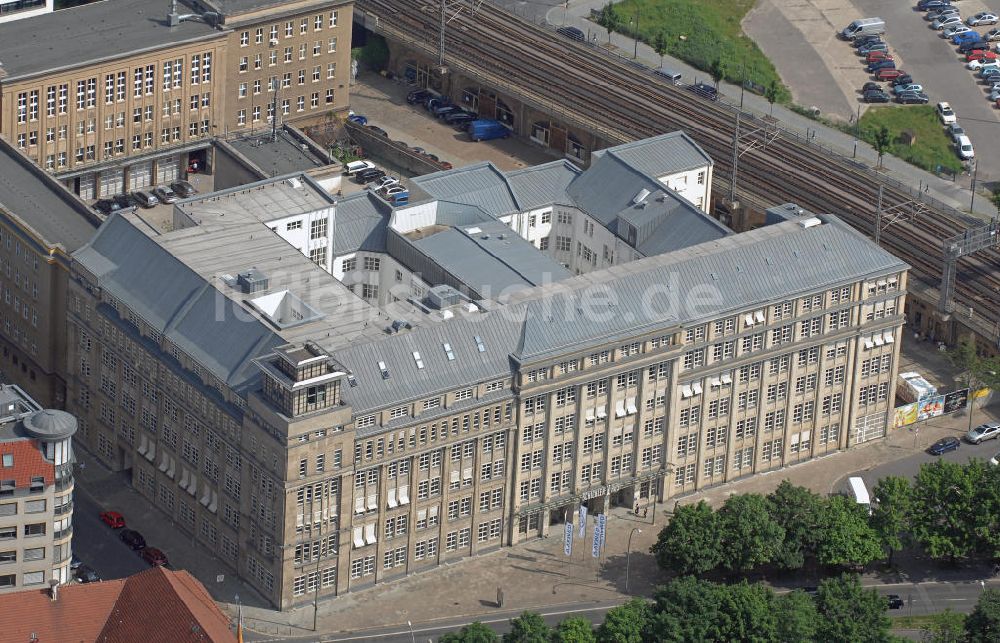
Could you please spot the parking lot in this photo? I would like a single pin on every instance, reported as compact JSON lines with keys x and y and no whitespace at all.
{"x":383,"y":102}
{"x":831,"y":80}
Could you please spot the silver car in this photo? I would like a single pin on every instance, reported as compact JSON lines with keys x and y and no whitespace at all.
{"x":947,"y":21}
{"x":987,"y":431}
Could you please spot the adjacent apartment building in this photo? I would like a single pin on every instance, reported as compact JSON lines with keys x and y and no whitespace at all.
{"x":36,"y":493}
{"x":133,"y":91}
{"x":324,"y":422}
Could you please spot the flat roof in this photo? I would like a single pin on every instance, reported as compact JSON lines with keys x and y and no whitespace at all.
{"x":82,"y":35}
{"x":279,"y":155}
{"x":265,"y":200}
{"x":42,"y":203}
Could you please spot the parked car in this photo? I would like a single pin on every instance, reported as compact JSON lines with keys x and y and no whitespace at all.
{"x":908,"y":87}
{"x":964,"y":148}
{"x":354,"y":167}
{"x":109,"y":206}
{"x":951,"y":32}
{"x":385,"y":182}
{"x":86,"y":574}
{"x":877,"y":55}
{"x":75,"y":562}
{"x":944,"y":445}
{"x":982,"y":18}
{"x":980,"y":55}
{"x":946,"y":113}
{"x":154,"y":557}
{"x":875,"y":96}
{"x":994,"y":95}
{"x":871,"y":86}
{"x":974,"y":45}
{"x":881,"y":64}
{"x":983,"y":432}
{"x":964,"y":37}
{"x":995,"y":460}
{"x":979,"y":63}
{"x":572,"y":33}
{"x":113,"y":519}
{"x":988,"y":72}
{"x":165,"y":194}
{"x":132,"y":538}
{"x":946,"y":21}
{"x":941,"y":12}
{"x":358,"y":118}
{"x":861,"y":41}
{"x":905,"y":79}
{"x":954,"y":130}
{"x":444,"y":110}
{"x":183,"y":188}
{"x":434,"y":102}
{"x":992,"y":34}
{"x":912,"y":98}
{"x":417,"y":96}
{"x":875,"y":46}
{"x":706,"y":90}
{"x":888,"y":74}
{"x":895,"y":602}
{"x":367,"y":176}
{"x":459,"y":118}
{"x":145,"y":199}
{"x":928,"y":5}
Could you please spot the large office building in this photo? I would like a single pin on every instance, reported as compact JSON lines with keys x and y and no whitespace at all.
{"x":330,"y":394}
{"x":117,"y":95}
{"x":36,"y":493}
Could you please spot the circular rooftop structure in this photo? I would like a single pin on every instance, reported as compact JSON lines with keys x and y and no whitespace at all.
{"x":50,"y":425}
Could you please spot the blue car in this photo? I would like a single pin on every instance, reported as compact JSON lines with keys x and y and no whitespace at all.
{"x":944,"y":445}
{"x":358,"y":118}
{"x":928,"y":5}
{"x":968,"y":36}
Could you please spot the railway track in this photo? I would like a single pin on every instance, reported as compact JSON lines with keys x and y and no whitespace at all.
{"x":622,"y":102}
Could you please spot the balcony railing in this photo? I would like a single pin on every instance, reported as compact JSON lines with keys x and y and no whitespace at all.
{"x":62,"y":510}
{"x":64,"y":533}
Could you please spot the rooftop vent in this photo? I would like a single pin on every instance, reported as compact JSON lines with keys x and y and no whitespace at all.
{"x":385,"y":371}
{"x":811,"y":222}
{"x":640,"y":197}
{"x":284,"y":309}
{"x":443,"y":296}
{"x":252,"y":281}
{"x":399,"y":325}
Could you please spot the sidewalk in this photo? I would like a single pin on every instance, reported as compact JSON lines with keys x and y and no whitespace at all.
{"x":956,"y":194}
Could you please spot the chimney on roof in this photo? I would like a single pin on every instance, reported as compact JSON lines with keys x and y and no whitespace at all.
{"x":54,"y":589}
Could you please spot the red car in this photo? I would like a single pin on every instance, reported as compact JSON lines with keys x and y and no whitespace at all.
{"x":877,"y":55}
{"x":888,"y":74}
{"x":980,"y":55}
{"x":113,"y":519}
{"x":154,"y":557}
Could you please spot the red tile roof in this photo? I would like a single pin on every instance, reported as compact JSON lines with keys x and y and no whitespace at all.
{"x":28,"y":463}
{"x":151,"y":606}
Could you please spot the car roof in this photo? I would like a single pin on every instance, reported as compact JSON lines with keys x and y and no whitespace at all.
{"x":963,"y":140}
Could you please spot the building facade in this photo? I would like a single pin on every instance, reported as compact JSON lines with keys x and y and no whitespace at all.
{"x":131,"y":101}
{"x":36,"y":493}
{"x":320,"y":452}
{"x":11,"y":10}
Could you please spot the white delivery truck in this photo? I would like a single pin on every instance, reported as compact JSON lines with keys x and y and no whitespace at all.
{"x":863,"y":27}
{"x":860,"y":493}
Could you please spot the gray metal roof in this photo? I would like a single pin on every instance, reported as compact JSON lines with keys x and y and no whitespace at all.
{"x":664,"y":154}
{"x":481,"y":185}
{"x":360,"y":223}
{"x":42,"y":203}
{"x":177,"y":302}
{"x":544,"y":184}
{"x":236,"y":7}
{"x":282,"y":155}
{"x":89,"y":33}
{"x":701,"y":282}
{"x":490,"y":258}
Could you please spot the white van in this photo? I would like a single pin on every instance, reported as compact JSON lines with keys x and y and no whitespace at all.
{"x":354,"y":167}
{"x":863,"y":27}
{"x":671,"y":75}
{"x":860,"y":492}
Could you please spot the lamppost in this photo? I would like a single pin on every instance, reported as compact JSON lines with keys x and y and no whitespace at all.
{"x":975,"y":168}
{"x":857,"y":131}
{"x":635,"y":54}
{"x":628,"y":554}
{"x":413,"y":638}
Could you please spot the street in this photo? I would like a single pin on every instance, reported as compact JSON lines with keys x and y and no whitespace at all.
{"x":97,"y":545}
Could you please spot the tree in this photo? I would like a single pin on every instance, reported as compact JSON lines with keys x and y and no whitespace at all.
{"x":797,"y":510}
{"x":995,"y":198}
{"x":471,"y":633}
{"x":686,"y":609}
{"x":689,"y":544}
{"x":608,"y":18}
{"x":881,"y":140}
{"x":796,"y":617}
{"x":529,"y":627}
{"x":750,"y":536}
{"x":891,"y":512}
{"x":660,"y":46}
{"x":984,"y":623}
{"x":846,"y":538}
{"x":771,"y":94}
{"x":946,"y":497}
{"x":574,"y":629}
{"x":946,"y":627}
{"x":718,"y":70}
{"x":850,"y":612}
{"x":977,"y":371}
{"x":625,"y":623}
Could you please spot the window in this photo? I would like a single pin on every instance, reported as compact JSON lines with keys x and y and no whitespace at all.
{"x":317,"y":229}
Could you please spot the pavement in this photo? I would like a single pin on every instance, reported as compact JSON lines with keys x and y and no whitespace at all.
{"x":953,"y":193}
{"x":534,"y":575}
